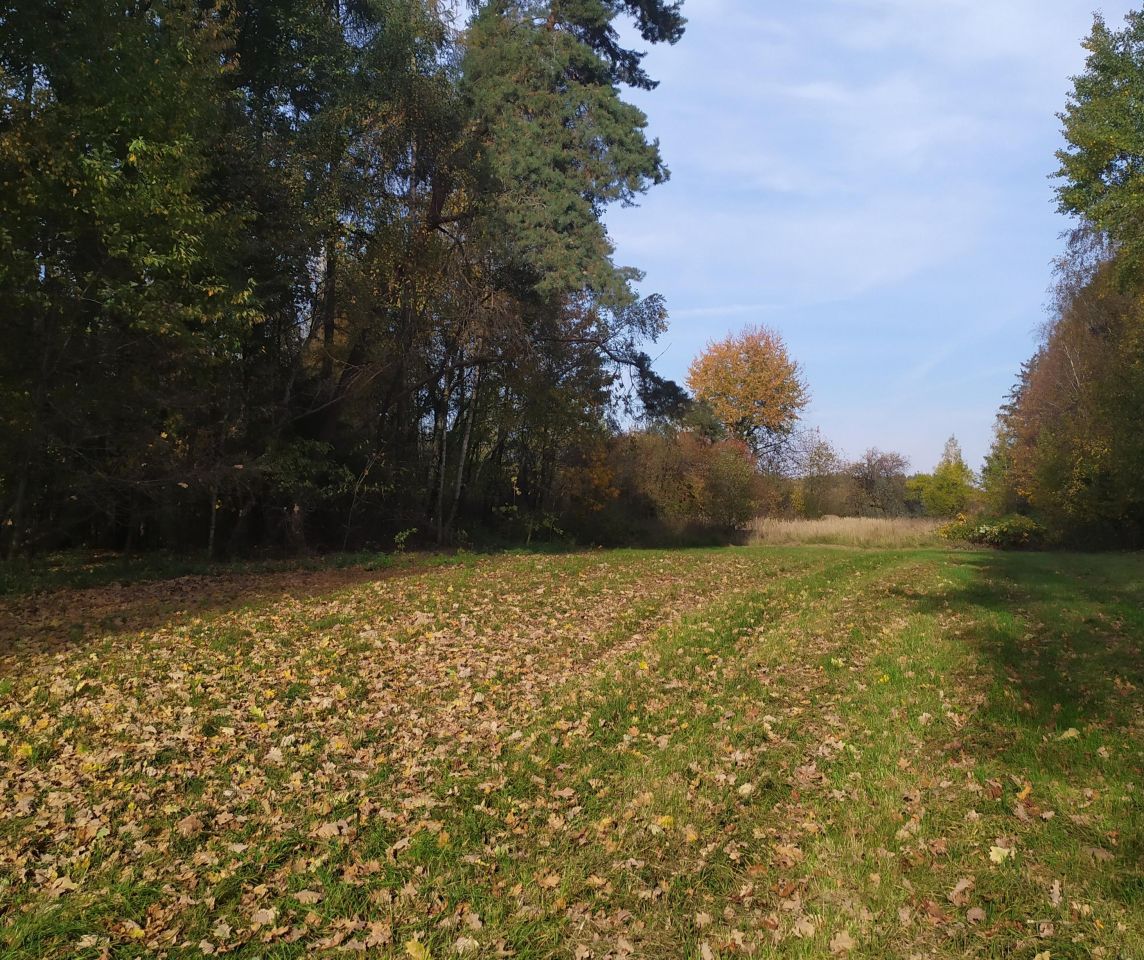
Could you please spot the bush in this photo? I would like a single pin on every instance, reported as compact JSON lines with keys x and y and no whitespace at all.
{"x":1011,"y":532}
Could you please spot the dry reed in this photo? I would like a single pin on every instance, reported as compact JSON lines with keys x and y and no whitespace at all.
{"x":847,"y":531}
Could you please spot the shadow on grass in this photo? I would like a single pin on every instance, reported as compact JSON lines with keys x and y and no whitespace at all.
{"x":1065,"y":632}
{"x":53,"y":621}
{"x":1061,"y":638}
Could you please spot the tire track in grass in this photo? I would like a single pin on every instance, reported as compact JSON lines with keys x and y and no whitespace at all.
{"x":629,"y":807}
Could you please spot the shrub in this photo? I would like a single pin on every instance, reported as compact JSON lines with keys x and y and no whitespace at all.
{"x":1011,"y":532}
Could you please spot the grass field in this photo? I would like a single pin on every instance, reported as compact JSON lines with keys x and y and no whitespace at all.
{"x":773,"y":752}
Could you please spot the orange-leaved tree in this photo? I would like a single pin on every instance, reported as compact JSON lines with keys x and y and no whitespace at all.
{"x":752,"y":385}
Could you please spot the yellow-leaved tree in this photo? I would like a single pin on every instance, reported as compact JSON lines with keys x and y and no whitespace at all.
{"x":752,"y":386}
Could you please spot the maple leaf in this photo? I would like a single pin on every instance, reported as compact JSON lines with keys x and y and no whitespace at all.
{"x":1000,"y":854}
{"x":417,"y":950}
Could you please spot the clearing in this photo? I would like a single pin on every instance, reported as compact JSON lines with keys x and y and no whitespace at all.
{"x":765,"y":751}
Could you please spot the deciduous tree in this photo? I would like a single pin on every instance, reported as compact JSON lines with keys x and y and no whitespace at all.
{"x":752,"y":385}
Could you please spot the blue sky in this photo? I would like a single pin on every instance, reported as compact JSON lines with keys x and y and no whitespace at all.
{"x":870,"y":178}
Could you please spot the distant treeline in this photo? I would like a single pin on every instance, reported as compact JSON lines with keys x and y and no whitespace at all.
{"x":1069,"y":447}
{"x":316,"y":273}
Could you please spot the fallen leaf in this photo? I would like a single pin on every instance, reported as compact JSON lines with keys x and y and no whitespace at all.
{"x":190,"y":825}
{"x":804,"y":927}
{"x":842,"y":942}
{"x":959,"y":895}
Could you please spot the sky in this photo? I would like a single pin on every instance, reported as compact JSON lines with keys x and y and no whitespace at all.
{"x":871,"y":178}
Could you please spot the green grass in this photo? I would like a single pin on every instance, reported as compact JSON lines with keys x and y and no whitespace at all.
{"x":772,"y":752}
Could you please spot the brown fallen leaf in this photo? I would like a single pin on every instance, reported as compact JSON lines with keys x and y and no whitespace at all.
{"x":959,"y":895}
{"x":191,"y":825}
{"x":1055,"y":893}
{"x":842,"y":942}
{"x":804,"y":927}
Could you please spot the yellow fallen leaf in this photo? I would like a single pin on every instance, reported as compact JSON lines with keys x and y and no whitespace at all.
{"x":417,"y":950}
{"x":1000,"y":854}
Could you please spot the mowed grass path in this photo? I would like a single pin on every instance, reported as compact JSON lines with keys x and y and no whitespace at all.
{"x":772,"y":752}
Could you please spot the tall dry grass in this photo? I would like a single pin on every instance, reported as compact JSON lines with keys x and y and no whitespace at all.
{"x":847,"y":531}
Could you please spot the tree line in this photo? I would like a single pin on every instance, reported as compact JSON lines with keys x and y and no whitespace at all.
{"x":314,"y":272}
{"x":1069,"y":443}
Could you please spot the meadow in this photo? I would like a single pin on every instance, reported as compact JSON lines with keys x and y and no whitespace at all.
{"x":768,"y":751}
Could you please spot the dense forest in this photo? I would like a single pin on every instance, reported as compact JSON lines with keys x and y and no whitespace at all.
{"x":315,"y":273}
{"x":293,"y":275}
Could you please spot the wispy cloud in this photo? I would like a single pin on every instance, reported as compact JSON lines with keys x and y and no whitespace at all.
{"x":870,"y":176}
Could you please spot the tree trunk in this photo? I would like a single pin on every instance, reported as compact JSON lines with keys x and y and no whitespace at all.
{"x":442,"y":463}
{"x":464,"y":455}
{"x":18,"y":514}
{"x":329,"y":314}
{"x":212,"y":528}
